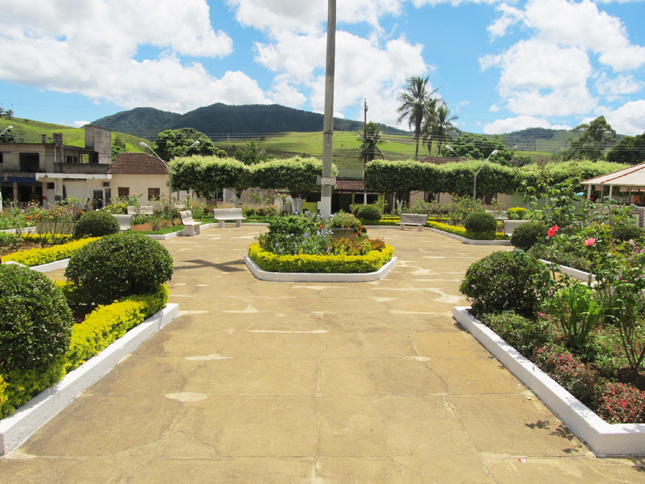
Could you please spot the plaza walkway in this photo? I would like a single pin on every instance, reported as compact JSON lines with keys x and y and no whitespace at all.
{"x":312,"y":383}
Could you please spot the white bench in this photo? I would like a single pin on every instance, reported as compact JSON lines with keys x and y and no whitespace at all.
{"x":227,"y":215}
{"x":190,"y":226}
{"x":142,"y":210}
{"x":125,"y":221}
{"x":418,"y":219}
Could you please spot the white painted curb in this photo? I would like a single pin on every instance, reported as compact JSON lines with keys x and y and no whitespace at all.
{"x":318,"y":277}
{"x":603,"y":439}
{"x":17,"y":428}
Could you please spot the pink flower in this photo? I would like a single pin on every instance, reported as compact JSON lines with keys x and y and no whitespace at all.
{"x":589,"y":242}
{"x":552,"y":231}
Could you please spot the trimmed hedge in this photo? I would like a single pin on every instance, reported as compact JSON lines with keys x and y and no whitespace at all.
{"x":462,"y":232}
{"x":106,"y":324}
{"x":36,"y":257}
{"x":100,"y":329}
{"x":270,"y":262}
{"x":96,"y":224}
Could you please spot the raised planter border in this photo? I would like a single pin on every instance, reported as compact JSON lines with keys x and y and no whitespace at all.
{"x":319,"y":277}
{"x":17,"y":428}
{"x":575,"y":273}
{"x":470,"y":241}
{"x":602,"y":438}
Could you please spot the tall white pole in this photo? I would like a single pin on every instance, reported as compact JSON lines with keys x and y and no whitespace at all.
{"x":328,"y":125}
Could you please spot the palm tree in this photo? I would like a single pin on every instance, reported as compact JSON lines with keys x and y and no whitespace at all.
{"x":414,"y":102}
{"x":371,"y":139}
{"x":438,"y":125}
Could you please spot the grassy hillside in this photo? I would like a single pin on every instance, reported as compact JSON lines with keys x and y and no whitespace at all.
{"x":30,"y":131}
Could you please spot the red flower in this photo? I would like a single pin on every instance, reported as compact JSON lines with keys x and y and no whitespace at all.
{"x":552,"y":231}
{"x":589,"y":242}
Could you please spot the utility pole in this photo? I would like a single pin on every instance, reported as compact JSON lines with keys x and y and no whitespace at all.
{"x":328,"y":126}
{"x":364,"y":149}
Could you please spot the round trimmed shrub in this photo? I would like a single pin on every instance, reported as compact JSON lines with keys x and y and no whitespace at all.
{"x":96,"y":224}
{"x":369,"y":212}
{"x":528,"y":234}
{"x":506,"y":281}
{"x":35,"y":320}
{"x":516,"y":213}
{"x":117,"y":266}
{"x":624,"y":232}
{"x":480,"y":222}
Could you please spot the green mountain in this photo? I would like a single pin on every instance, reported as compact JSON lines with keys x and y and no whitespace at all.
{"x":222,"y":119}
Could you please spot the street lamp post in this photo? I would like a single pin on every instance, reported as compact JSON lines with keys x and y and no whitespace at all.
{"x":480,"y":169}
{"x":166,"y":165}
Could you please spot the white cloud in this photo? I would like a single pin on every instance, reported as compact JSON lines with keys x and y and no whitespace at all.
{"x":540,"y":78}
{"x":612,"y":89}
{"x":518,"y":123}
{"x":583,"y":25}
{"x":455,"y":3}
{"x":510,"y":16}
{"x":80,"y":124}
{"x":90,"y":48}
{"x":628,"y":119}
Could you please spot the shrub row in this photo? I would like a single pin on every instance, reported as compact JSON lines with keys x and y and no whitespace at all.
{"x":371,"y":262}
{"x":100,"y":329}
{"x":35,"y":257}
{"x":462,"y":232}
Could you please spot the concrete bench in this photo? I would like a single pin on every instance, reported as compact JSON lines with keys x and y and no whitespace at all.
{"x":227,"y":215}
{"x":418,"y":219}
{"x":190,"y":226}
{"x":125,"y":221}
{"x":142,"y":210}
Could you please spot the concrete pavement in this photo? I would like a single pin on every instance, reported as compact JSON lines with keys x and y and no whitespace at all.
{"x":263,"y":382}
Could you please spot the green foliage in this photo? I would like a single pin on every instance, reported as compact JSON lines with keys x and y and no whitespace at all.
{"x":96,"y":224}
{"x":516,"y":213}
{"x":35,"y":320}
{"x":458,"y":178}
{"x":479,"y":147}
{"x":624,"y":232}
{"x":173,"y":143}
{"x":106,"y":324}
{"x":298,"y":175}
{"x":35,"y":257}
{"x":480,"y":222}
{"x":271,"y":262}
{"x":342,"y":220}
{"x":414,"y":103}
{"x":591,"y":139}
{"x":370,"y":138}
{"x":462,"y":232}
{"x":506,"y":281}
{"x":251,"y":153}
{"x":9,"y":242}
{"x":571,"y":373}
{"x":630,"y":150}
{"x":521,"y":333}
{"x":369,"y":212}
{"x":528,"y":234}
{"x":619,"y":403}
{"x":296,"y":234}
{"x":402,"y":176}
{"x":575,"y":311}
{"x":205,"y":175}
{"x":118,"y":266}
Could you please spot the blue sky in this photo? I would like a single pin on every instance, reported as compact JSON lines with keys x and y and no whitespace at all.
{"x":500,"y":66}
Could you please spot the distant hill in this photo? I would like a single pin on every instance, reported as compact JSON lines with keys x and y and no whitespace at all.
{"x":218,"y":119}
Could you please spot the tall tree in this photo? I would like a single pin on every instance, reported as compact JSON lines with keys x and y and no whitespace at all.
{"x":438,"y":125}
{"x":592,"y":140}
{"x":173,"y":143}
{"x":630,"y":149}
{"x":414,"y":103}
{"x":371,"y":138}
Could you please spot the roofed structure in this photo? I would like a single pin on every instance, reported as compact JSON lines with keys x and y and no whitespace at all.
{"x":137,"y":164}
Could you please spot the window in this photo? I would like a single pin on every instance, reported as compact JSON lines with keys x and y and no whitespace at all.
{"x":72,"y":159}
{"x":1,"y":157}
{"x":29,"y":162}
{"x":124,"y":191}
{"x":154,"y":193}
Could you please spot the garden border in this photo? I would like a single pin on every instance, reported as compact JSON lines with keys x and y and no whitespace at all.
{"x":470,"y":241}
{"x":17,"y":428}
{"x":319,"y":276}
{"x":602,"y":438}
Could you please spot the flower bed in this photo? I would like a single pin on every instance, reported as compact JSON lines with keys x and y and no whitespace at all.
{"x":34,"y":257}
{"x":603,"y":438}
{"x":462,"y":232}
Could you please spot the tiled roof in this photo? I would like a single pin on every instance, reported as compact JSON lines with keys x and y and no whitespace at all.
{"x":137,"y":164}
{"x":347,"y":185}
